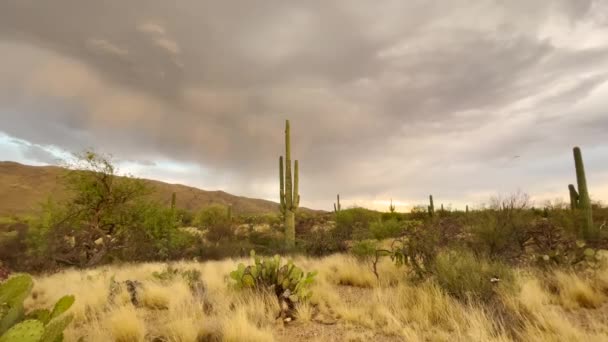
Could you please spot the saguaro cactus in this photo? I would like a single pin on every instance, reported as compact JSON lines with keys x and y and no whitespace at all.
{"x":467,"y":209}
{"x":431,"y":206}
{"x":583,"y":200}
{"x":173,"y":198}
{"x":289,"y":195}
{"x":337,"y":205}
{"x":573,"y":197}
{"x":391,"y":207}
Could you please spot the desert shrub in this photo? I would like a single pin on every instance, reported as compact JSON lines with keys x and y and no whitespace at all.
{"x":217,"y":221}
{"x":36,"y":326}
{"x":351,"y":220}
{"x":468,"y":277}
{"x":161,"y":238}
{"x":364,"y":249}
{"x":417,"y":247}
{"x":227,"y":249}
{"x":267,"y":242}
{"x":419,"y":213}
{"x":503,"y":229}
{"x":185,"y":217}
{"x":323,"y":242}
{"x":385,"y":229}
{"x":13,"y":245}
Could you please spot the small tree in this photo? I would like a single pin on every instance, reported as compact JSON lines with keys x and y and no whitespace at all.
{"x":99,"y":212}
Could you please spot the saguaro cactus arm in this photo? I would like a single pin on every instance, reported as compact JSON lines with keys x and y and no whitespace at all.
{"x":281,"y":185}
{"x":573,"y":197}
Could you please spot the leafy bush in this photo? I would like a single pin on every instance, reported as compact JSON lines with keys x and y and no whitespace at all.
{"x":386,"y":229}
{"x":501,"y":232}
{"x":270,"y":274}
{"x":349,"y":221}
{"x":217,"y":221}
{"x":37,"y":326}
{"x":467,"y":277}
{"x":364,"y":249}
{"x":323,"y":242}
{"x":417,"y":248}
{"x":160,"y":224}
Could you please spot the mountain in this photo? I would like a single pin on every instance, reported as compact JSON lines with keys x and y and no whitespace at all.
{"x":24,"y":187}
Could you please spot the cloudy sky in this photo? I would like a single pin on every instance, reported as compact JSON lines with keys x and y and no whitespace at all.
{"x":387,"y":99}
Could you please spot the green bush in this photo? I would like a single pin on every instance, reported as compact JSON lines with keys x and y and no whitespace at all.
{"x":216,"y":220}
{"x":501,"y":232}
{"x":364,"y":249}
{"x":353,"y":221}
{"x":467,"y":277}
{"x":386,"y":229}
{"x":323,"y":242}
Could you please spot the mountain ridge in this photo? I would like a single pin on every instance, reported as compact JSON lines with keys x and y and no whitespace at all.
{"x":23,"y":187}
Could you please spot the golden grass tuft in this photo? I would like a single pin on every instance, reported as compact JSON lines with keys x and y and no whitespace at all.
{"x":125,"y":325}
{"x":574,"y":292}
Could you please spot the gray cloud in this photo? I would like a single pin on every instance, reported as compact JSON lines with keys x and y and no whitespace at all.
{"x":398,"y":99}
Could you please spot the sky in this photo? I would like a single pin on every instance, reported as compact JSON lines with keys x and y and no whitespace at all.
{"x":395,"y":99}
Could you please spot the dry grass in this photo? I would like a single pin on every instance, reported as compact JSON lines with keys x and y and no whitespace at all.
{"x":348,"y":304}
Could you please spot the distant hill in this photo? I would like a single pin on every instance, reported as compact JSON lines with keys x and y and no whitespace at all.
{"x":24,"y":187}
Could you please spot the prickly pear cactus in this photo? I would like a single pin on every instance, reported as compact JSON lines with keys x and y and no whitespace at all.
{"x":12,"y":294}
{"x":42,"y":315}
{"x":54,"y":330}
{"x":16,"y":289}
{"x":26,"y":331}
{"x":62,"y":305}
{"x":41,"y":325}
{"x":286,"y":280}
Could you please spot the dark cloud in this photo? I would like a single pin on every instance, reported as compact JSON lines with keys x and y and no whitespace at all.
{"x":398,"y":99}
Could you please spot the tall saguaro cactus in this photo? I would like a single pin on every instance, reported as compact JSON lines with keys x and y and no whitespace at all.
{"x":173,"y":198}
{"x":337,"y":205}
{"x":289,"y":195}
{"x":431,"y":206}
{"x":581,"y":200}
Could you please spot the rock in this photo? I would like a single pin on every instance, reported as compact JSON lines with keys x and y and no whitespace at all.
{"x":99,"y":241}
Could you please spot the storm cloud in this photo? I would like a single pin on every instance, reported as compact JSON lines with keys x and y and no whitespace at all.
{"x":391,"y":99}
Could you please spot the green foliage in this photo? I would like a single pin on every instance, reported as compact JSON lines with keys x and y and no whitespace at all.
{"x":503,"y":229}
{"x":160,"y":225}
{"x":40,"y":325}
{"x":323,"y":242}
{"x":364,"y":249}
{"x":386,"y":229}
{"x":416,"y":248}
{"x":288,"y":192}
{"x":467,"y":277}
{"x":286,"y":280}
{"x":215,"y":219}
{"x":353,"y":221}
